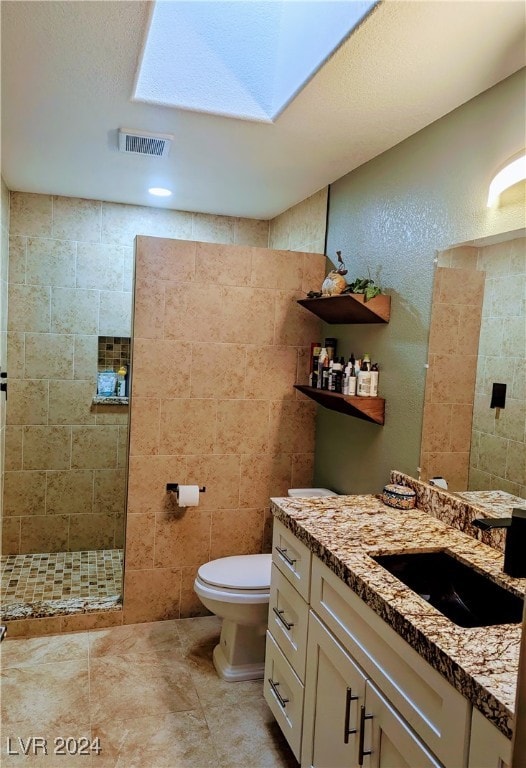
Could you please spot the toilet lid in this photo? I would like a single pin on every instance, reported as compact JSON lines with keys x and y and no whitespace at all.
{"x":238,"y":572}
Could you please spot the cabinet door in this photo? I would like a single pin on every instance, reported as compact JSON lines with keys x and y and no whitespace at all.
{"x":489,"y":747}
{"x":334,"y":691}
{"x":386,"y":740}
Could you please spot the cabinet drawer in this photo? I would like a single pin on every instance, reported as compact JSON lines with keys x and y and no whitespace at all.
{"x":438,"y":713}
{"x":292,"y":558}
{"x":288,"y":617}
{"x":283,"y":692}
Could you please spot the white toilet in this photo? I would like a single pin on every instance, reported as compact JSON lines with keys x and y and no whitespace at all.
{"x":237,"y":589}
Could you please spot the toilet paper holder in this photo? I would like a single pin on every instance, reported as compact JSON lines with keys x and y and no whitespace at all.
{"x":174,"y":487}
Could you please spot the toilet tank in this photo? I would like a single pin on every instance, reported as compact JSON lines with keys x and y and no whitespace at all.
{"x":310,"y":492}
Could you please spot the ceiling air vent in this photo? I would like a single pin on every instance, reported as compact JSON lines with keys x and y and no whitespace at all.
{"x":143,"y":143}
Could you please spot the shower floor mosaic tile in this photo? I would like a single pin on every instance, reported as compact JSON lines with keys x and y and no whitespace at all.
{"x":49,"y":584}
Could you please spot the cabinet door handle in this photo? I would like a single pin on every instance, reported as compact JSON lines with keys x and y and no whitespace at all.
{"x":287,"y":624}
{"x":283,"y":553}
{"x":346,"y":730}
{"x":283,"y":702}
{"x":361,"y":751}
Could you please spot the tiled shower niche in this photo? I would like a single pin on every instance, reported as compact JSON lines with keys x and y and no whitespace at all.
{"x":113,"y":352}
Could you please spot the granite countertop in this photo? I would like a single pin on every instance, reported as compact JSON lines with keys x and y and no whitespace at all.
{"x":494,"y":503}
{"x":343,"y":531}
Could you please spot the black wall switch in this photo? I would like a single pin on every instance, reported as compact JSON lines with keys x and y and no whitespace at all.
{"x":498,"y":396}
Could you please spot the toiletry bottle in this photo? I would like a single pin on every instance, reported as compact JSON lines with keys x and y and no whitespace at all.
{"x":321,"y":362}
{"x":330,"y":346}
{"x":315,"y":353}
{"x":325,"y":374}
{"x":374,"y":380}
{"x":346,"y":377}
{"x":341,"y":369}
{"x":330,"y":382}
{"x":121,"y":381}
{"x":364,"y":378}
{"x":351,"y":385}
{"x":336,"y":377}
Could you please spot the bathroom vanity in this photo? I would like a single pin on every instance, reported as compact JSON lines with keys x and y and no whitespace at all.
{"x":362,"y":670}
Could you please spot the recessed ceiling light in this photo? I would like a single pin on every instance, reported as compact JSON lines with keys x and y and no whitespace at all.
{"x":160,"y":191}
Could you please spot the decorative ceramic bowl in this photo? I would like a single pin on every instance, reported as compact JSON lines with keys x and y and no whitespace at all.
{"x":398,"y":496}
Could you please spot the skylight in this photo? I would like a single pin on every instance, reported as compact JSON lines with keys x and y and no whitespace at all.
{"x":240,"y":58}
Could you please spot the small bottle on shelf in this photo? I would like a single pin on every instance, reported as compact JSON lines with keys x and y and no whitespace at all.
{"x":321,"y":362}
{"x":352,"y":382}
{"x":313,"y":376}
{"x":374,"y":380}
{"x":364,"y":377}
{"x":325,"y":374}
{"x":336,"y":377}
{"x":121,"y":381}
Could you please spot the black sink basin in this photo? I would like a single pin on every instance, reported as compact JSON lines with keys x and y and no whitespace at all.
{"x":461,"y":593}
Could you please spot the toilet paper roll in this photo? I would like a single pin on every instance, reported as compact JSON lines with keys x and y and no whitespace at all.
{"x":440,"y":482}
{"x":188,"y":495}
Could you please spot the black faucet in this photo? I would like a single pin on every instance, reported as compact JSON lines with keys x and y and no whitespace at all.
{"x":515,"y":547}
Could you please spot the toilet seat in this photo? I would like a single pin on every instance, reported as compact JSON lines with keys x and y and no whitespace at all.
{"x":238,"y":573}
{"x":237,"y":579}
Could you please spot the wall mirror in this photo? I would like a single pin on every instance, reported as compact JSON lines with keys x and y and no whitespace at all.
{"x":477,"y":340}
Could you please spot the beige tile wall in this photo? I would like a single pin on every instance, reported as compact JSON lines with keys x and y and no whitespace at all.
{"x":4,"y":266}
{"x":158,"y":585}
{"x":71,"y":268}
{"x":450,"y":381}
{"x":219,"y":341}
{"x":498,"y":455}
{"x":302,"y":227}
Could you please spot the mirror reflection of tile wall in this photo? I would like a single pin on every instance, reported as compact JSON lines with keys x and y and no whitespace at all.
{"x":463,"y":439}
{"x":498,"y":449}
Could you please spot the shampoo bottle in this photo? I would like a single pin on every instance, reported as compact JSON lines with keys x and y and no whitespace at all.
{"x":364,"y":378}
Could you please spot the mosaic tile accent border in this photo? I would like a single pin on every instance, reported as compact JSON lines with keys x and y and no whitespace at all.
{"x":57,"y":583}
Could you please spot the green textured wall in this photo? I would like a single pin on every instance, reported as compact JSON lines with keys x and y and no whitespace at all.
{"x":388,"y":218}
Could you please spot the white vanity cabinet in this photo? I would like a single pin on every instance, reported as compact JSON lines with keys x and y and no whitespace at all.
{"x":347,"y":720}
{"x":345,"y":688}
{"x":435,"y":711}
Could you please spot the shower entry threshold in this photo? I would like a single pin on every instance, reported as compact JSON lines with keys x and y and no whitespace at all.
{"x":60,"y":583}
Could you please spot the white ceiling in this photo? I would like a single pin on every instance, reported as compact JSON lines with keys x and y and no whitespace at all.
{"x":68,"y":73}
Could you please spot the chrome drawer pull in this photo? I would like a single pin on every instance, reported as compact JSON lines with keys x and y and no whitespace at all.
{"x":346,"y":730}
{"x":283,"y":553}
{"x":288,"y":626}
{"x":361,"y":751}
{"x":283,"y":702}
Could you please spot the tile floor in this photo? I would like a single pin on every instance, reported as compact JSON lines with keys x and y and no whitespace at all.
{"x":38,"y":584}
{"x":148,"y":692}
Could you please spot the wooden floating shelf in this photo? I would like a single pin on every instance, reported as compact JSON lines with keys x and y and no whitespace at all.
{"x":350,"y":308}
{"x":367,"y":408}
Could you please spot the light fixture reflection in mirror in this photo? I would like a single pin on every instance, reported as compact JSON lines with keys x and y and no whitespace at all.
{"x":513,"y":172}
